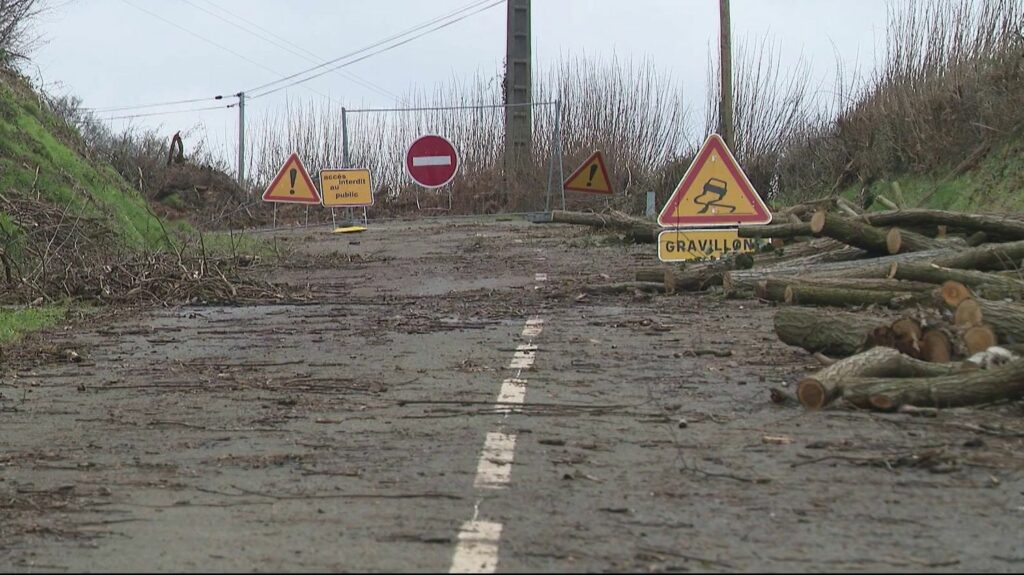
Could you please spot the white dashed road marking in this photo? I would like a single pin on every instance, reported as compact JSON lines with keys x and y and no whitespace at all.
{"x":477,"y":550}
{"x":495,"y":467}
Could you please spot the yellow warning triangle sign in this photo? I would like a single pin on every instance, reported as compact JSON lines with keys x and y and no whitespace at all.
{"x":292,"y":184}
{"x":591,"y":177}
{"x":714,"y":191}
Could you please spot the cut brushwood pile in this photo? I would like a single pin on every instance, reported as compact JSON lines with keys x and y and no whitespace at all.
{"x":933,"y":301}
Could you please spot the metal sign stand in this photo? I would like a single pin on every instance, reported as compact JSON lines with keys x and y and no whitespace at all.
{"x":556,"y":154}
{"x":275,"y":215}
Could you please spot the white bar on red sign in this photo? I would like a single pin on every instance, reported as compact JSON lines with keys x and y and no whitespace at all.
{"x":432,"y":161}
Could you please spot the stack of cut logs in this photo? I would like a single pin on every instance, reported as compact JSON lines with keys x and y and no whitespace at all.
{"x":936,"y":301}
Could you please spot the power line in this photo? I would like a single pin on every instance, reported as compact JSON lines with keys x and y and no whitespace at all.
{"x":164,"y":113}
{"x":374,"y":45}
{"x":156,"y":105}
{"x":272,"y":38}
{"x":211,"y":42}
{"x":385,"y":49}
{"x":460,"y":12}
{"x":200,"y":36}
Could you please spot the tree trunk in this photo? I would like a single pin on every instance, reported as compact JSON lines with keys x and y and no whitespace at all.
{"x":820,"y":389}
{"x":775,"y":230}
{"x":625,"y":287}
{"x":902,"y":241}
{"x":835,"y":334}
{"x":698,"y":278}
{"x":986,"y":285}
{"x":850,"y":232}
{"x":997,"y":225}
{"x":966,"y":388}
{"x":845,"y":297}
{"x":774,"y":287}
{"x":987,"y":257}
{"x":1006,"y":319}
{"x":638,"y":229}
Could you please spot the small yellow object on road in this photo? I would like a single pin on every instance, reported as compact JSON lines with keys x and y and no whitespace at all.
{"x":349,"y":230}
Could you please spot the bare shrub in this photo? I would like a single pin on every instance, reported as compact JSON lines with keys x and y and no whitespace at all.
{"x":634,"y":115}
{"x":772,"y":106}
{"x":16,"y":36}
{"x":952,"y":81}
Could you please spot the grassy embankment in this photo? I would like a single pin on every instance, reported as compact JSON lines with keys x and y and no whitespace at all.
{"x":62,"y":211}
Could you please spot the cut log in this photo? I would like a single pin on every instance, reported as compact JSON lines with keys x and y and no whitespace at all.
{"x":1005,"y":318}
{"x":820,"y":389}
{"x":954,"y":292}
{"x":886,"y":202}
{"x":850,"y":232}
{"x":775,"y":230}
{"x":836,"y":334}
{"x":936,"y":346}
{"x":899,"y":241}
{"x":1006,"y":256}
{"x":637,"y":228}
{"x":625,"y":287}
{"x":979,"y":338}
{"x":773,"y":288}
{"x":848,"y":208}
{"x":844,"y":297}
{"x":968,"y":313}
{"x":993,"y":224}
{"x":971,"y":387}
{"x":976,"y":239}
{"x":907,"y":335}
{"x":821,"y":267}
{"x":985,"y":285}
{"x":699,"y":277}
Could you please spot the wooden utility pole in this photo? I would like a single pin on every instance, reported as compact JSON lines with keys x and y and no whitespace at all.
{"x":725,"y":104}
{"x":518,"y":85}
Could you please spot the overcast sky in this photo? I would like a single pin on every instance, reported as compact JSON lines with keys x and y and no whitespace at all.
{"x":130,"y":52}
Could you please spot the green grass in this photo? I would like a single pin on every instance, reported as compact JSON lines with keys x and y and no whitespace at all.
{"x":17,"y":322}
{"x":34,"y":162}
{"x":993,"y":186}
{"x":227,"y":244}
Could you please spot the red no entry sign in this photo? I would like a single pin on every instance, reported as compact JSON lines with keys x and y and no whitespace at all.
{"x":432,"y":161}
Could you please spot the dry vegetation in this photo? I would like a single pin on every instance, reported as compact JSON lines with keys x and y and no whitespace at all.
{"x":948,"y":90}
{"x":624,"y":108}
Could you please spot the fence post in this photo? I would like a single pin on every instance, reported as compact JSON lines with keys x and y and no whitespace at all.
{"x":558,"y":134}
{"x":344,"y":139}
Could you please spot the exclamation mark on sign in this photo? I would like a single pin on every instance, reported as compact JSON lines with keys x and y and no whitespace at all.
{"x":590,"y":179}
{"x":291,"y":174}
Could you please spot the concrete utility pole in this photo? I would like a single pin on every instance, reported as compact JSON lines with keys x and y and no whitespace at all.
{"x":241,"y":138}
{"x":518,"y":84}
{"x":725,"y":104}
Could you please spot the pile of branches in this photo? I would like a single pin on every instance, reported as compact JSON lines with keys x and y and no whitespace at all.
{"x":48,"y":255}
{"x":935,"y":301}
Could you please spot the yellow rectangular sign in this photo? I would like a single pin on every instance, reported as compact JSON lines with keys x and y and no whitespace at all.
{"x":686,"y":244}
{"x":346,"y":188}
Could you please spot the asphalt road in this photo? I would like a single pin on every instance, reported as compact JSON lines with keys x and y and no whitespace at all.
{"x":449,"y":400}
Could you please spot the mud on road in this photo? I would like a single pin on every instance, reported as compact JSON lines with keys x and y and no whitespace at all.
{"x":449,"y":400}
